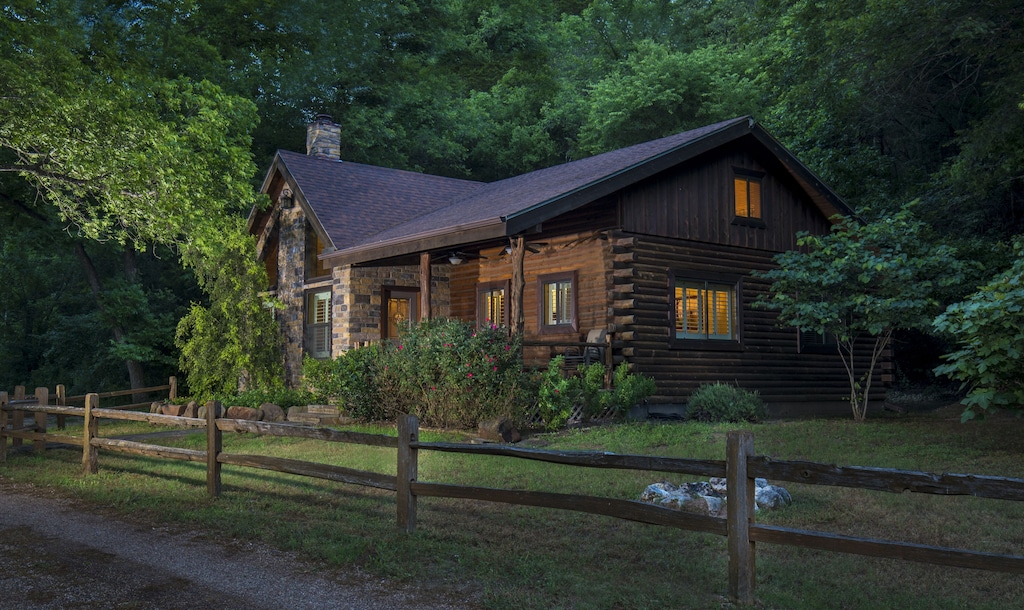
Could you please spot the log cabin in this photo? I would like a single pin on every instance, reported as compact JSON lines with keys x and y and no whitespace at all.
{"x":645,"y":253}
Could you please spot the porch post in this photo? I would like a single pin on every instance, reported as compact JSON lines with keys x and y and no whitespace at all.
{"x":424,"y":285}
{"x":517,"y":319}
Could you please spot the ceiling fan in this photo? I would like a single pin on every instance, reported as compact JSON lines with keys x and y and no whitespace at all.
{"x":456,"y":257}
{"x":533,"y":247}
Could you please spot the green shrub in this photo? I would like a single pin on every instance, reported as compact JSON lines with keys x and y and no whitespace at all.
{"x":348,"y":381}
{"x":557,"y":395}
{"x":721,"y":402}
{"x":629,"y":388}
{"x":281,"y":397}
{"x":446,"y":372}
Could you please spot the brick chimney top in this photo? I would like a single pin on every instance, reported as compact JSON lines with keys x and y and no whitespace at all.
{"x":323,"y":138}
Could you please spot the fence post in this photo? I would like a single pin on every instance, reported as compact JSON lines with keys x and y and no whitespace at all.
{"x":609,"y":361}
{"x":172,"y":394}
{"x":408,"y":432}
{"x":61,"y":402}
{"x":18,"y":417}
{"x":214,"y":443}
{"x":90,"y":430}
{"x":740,"y":513}
{"x":4,"y":400}
{"x":42,"y":399}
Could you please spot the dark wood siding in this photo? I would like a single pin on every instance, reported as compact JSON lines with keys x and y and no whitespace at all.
{"x":766,"y":358}
{"x":695,"y":202}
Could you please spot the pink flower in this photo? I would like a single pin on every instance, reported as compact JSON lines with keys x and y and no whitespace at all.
{"x":495,"y":368}
{"x":469,"y":374}
{"x":399,"y":347}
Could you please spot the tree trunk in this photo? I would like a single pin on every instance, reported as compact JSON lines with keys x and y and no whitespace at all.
{"x":135,"y":372}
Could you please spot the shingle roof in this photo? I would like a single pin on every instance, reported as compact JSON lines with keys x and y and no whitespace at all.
{"x":353,"y":201}
{"x":372,"y":213}
{"x":505,"y":198}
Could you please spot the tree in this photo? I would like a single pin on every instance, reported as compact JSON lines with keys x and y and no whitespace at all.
{"x":988,"y":327}
{"x":115,"y":151}
{"x":860,"y":283}
{"x":234,"y":340}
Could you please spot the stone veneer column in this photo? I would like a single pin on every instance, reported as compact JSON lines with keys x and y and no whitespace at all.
{"x":290,"y":285}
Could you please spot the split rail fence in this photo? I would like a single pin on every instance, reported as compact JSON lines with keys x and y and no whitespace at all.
{"x":740,"y":467}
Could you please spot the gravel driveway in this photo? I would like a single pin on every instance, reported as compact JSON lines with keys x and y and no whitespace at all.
{"x":55,"y":556}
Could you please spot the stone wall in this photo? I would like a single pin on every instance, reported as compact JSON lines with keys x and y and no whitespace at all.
{"x":357,"y":300}
{"x":355,"y":295}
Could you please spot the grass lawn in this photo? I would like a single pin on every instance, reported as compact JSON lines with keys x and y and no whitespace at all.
{"x":520,"y":557}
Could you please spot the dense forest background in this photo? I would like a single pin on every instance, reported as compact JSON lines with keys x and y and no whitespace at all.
{"x":131,"y":133}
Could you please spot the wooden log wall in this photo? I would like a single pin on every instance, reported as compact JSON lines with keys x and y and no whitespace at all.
{"x":766,"y":358}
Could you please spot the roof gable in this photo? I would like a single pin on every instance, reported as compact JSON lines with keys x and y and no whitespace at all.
{"x":352,"y":202}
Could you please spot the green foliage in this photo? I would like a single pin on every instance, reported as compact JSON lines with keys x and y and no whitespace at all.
{"x":657,"y":91}
{"x":862,"y":281}
{"x":721,"y":402}
{"x":234,"y":340}
{"x":629,"y":389}
{"x":348,"y":381}
{"x":446,"y":372}
{"x":279,"y":396}
{"x":988,"y":327}
{"x":559,"y":394}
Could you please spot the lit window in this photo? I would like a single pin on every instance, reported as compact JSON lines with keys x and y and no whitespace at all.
{"x":558,"y":302}
{"x":704,"y":310}
{"x":318,"y":324}
{"x":748,"y":196}
{"x":400,"y":308}
{"x":491,"y":304}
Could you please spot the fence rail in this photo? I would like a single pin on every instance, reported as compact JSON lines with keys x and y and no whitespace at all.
{"x":740,"y":468}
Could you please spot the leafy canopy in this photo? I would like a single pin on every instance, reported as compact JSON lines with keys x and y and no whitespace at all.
{"x":862,"y":281}
{"x":988,"y":327}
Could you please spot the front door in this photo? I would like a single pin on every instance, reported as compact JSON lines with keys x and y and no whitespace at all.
{"x":399,"y":308}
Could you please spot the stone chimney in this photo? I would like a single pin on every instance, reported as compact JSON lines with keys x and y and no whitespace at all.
{"x":323,"y":138}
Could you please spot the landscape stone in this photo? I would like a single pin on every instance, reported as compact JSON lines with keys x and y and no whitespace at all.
{"x":202,"y":411}
{"x":243,"y":413}
{"x":499,"y":429}
{"x":271,"y":412}
{"x":192,"y":409}
{"x":709,"y":497}
{"x":329,"y":410}
{"x":156,"y":407}
{"x":175,"y":410}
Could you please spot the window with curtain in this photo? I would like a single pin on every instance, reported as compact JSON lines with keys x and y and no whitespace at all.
{"x":705,"y":310}
{"x":318,"y":324}
{"x":492,"y":299}
{"x":557,"y":294}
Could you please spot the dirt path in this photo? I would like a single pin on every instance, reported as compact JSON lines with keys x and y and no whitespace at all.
{"x":56,"y":556}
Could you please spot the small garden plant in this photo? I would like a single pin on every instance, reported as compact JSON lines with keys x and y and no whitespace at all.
{"x":560,"y":394}
{"x":721,"y":402}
